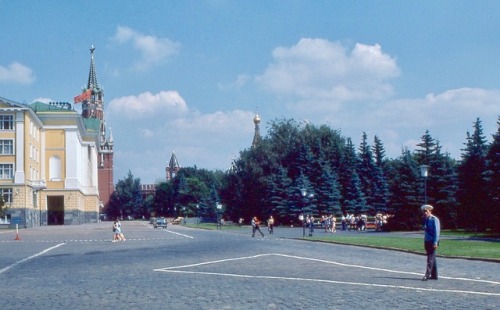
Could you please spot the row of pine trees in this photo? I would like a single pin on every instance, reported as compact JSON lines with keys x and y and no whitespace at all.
{"x":299,"y":167}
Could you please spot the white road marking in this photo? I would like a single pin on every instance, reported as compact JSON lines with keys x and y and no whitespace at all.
{"x":29,"y":258}
{"x":179,"y":234}
{"x":91,"y":240}
{"x":176,"y":269}
{"x":172,"y":232}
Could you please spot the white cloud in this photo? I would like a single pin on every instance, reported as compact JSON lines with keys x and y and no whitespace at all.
{"x":217,"y":126}
{"x":207,"y":140}
{"x":241,"y":80}
{"x":147,"y":133}
{"x":350,"y":90}
{"x":318,"y":72}
{"x":401,"y":123}
{"x":153,"y":50}
{"x":145,"y":105}
{"x":16,"y":73}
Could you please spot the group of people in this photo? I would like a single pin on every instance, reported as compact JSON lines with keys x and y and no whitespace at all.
{"x":117,"y":231}
{"x":352,"y":222}
{"x":329,"y":222}
{"x":307,"y":222}
{"x":256,"y":225}
{"x":380,"y":221}
{"x":431,"y":225}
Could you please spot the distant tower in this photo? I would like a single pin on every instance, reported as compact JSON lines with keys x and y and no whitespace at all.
{"x":256,"y":137}
{"x":93,"y":116}
{"x":173,"y":167}
{"x":93,"y":107}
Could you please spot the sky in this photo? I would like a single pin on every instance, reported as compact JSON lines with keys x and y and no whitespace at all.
{"x":189,"y":76}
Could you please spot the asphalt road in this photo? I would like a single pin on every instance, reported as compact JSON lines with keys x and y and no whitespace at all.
{"x":78,"y":267}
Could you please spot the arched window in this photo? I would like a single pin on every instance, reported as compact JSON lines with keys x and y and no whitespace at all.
{"x":55,"y":168}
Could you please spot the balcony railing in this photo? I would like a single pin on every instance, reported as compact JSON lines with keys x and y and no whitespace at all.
{"x":38,"y":184}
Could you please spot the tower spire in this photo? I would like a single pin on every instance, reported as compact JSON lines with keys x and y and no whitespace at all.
{"x":92,"y":82}
{"x":173,"y":167}
{"x":256,"y":137}
{"x":94,"y":120}
{"x":93,"y":104}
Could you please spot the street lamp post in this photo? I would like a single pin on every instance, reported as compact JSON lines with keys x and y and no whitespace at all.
{"x":424,"y":172}
{"x":305,"y":196}
{"x":219,"y":207}
{"x":197,"y":218}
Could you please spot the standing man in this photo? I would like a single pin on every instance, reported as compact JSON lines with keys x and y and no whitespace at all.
{"x":270,"y":225}
{"x":431,"y":242}
{"x":310,"y":223}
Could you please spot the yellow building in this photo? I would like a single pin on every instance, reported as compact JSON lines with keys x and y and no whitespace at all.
{"x":48,"y":165}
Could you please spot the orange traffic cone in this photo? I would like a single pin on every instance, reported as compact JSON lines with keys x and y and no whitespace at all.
{"x":17,"y":233}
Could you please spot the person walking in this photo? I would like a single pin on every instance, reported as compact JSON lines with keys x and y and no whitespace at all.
{"x":270,"y":225}
{"x":431,"y":242}
{"x":256,"y":226}
{"x":116,"y":231}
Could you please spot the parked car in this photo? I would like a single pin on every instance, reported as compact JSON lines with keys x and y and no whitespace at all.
{"x":177,"y":220}
{"x":160,"y":222}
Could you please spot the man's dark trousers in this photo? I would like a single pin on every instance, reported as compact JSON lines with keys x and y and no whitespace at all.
{"x":431,"y":271}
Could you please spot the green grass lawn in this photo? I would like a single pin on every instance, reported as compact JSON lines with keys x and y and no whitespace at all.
{"x":464,"y":245}
{"x":447,"y":247}
{"x":213,"y":226}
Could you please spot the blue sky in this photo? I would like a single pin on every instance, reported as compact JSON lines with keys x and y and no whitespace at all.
{"x":189,"y":76}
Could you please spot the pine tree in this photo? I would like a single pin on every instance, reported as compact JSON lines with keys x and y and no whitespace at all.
{"x":304,"y":186}
{"x":279,"y":189}
{"x":472,"y":197}
{"x":425,"y":154}
{"x":492,"y":176}
{"x":353,"y":199}
{"x":381,"y":193}
{"x":406,"y":200}
{"x":367,"y":174}
{"x":445,"y":189}
{"x":328,"y":191}
{"x":378,"y":152}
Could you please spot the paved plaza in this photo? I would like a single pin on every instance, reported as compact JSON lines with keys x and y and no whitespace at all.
{"x":78,"y":267}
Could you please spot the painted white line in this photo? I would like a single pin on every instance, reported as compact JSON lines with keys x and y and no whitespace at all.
{"x":214,"y":262}
{"x":29,"y":258}
{"x":385,"y":270}
{"x":179,"y":234}
{"x":175,"y":269}
{"x":333,"y":282}
{"x":91,"y":240}
{"x":326,"y":262}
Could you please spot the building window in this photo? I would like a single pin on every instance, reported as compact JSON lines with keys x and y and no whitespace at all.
{"x":6,"y":194}
{"x":6,"y":122}
{"x":6,"y":147}
{"x":55,"y":168}
{"x":6,"y":171}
